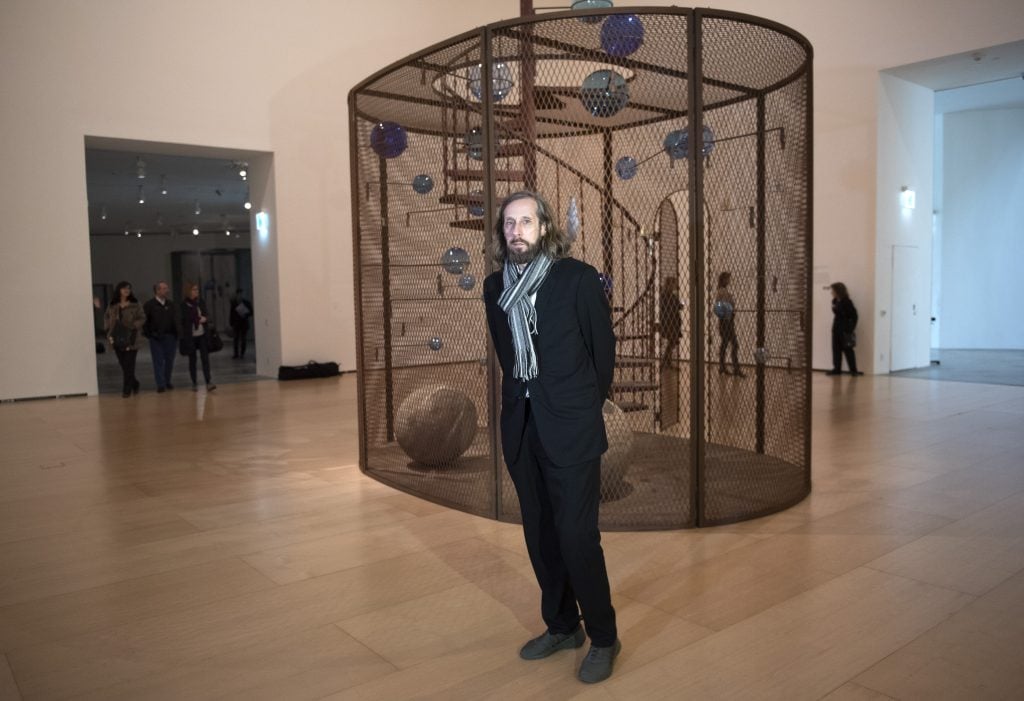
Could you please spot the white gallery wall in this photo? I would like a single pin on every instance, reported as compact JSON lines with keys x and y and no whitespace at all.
{"x":982,"y":229}
{"x":270,"y":76}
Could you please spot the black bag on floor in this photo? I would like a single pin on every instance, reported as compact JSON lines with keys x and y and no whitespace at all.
{"x":309,"y":370}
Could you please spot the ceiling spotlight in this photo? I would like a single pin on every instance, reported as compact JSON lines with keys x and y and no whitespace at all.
{"x":227,"y":232}
{"x":195,"y":232}
{"x":196,"y":209}
{"x":163,"y":184}
{"x":103,"y":213}
{"x":138,"y":234}
{"x":142,"y":197}
{"x":248,"y":202}
{"x":140,"y":168}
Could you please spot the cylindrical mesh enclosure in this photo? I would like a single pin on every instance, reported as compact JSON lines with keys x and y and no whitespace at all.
{"x":675,"y":144}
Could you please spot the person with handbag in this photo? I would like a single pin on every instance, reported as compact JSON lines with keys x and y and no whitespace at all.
{"x":844,"y":334}
{"x":194,"y":339}
{"x":122,"y":323}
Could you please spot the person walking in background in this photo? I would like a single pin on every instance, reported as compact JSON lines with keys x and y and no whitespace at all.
{"x":193,"y":336}
{"x":725,"y":310}
{"x":844,"y":335}
{"x":241,"y":313}
{"x":122,"y":323}
{"x":161,"y":328}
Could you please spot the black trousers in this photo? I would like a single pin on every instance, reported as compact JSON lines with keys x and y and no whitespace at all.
{"x":126,"y":359}
{"x":200,"y":345}
{"x":839,"y":349}
{"x":559,"y":505}
{"x":727,"y":330}
{"x":241,"y":337}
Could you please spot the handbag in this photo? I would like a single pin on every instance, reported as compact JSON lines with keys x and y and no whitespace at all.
{"x":213,"y":340}
{"x":122,"y":337}
{"x":850,"y":339}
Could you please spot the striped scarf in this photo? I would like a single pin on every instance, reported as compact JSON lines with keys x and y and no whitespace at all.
{"x":522,"y":316}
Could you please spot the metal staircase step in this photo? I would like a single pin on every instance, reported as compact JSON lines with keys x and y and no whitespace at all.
{"x":471,"y":224}
{"x":477,"y":174}
{"x":461,"y":198}
{"x":629,"y":386}
{"x":631,"y":406}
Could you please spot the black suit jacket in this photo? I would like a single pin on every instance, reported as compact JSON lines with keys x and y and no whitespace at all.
{"x":575,"y":359}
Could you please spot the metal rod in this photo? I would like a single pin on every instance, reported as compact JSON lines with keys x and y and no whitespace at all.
{"x":697,"y":399}
{"x":385,"y":262}
{"x":762,"y":250}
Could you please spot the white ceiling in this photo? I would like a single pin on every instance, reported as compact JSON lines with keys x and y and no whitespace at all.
{"x":969,"y":68}
{"x":113,"y":185}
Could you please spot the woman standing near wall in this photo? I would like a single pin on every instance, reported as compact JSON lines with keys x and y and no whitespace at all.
{"x":122,"y":323}
{"x":844,"y":325}
{"x":193,"y":336}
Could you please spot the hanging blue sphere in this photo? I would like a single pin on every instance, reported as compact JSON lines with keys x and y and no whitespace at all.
{"x":388,"y":140}
{"x":475,"y":144}
{"x":606,"y":283}
{"x":455,"y":260}
{"x":625,"y":167}
{"x":677,"y":143}
{"x":591,"y":5}
{"x":621,"y":35}
{"x":723,"y":310}
{"x":501,"y":81}
{"x":435,"y":343}
{"x":604,"y":93}
{"x":466,"y":282}
{"x":476,"y":203}
{"x":423,"y":183}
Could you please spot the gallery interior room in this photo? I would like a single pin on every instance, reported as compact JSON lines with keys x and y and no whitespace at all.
{"x":814,"y":481}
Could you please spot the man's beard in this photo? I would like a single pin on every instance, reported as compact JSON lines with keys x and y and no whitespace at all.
{"x":524,"y":257}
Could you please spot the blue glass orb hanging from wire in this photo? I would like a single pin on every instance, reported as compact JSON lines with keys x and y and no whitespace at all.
{"x":475,"y":143}
{"x":455,"y":260}
{"x":604,"y":93}
{"x":591,"y":5}
{"x":625,"y":167}
{"x":501,"y":81}
{"x":723,"y":310}
{"x":388,"y":140}
{"x":466,"y":282}
{"x":622,"y":35}
{"x":423,"y":183}
{"x":435,"y":343}
{"x":476,"y":203}
{"x":677,"y":143}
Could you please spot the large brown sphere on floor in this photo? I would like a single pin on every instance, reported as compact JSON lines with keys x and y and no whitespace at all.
{"x":435,"y":425}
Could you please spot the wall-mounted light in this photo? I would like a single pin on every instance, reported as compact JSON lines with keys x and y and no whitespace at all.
{"x":908,"y":198}
{"x":263,"y":225}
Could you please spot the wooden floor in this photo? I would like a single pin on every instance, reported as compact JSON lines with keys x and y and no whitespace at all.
{"x":185,"y":546}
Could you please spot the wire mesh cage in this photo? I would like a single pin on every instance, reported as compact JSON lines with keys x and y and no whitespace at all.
{"x":675,"y":144}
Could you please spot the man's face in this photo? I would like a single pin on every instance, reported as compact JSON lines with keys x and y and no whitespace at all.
{"x":162,"y":289}
{"x":522,"y":230}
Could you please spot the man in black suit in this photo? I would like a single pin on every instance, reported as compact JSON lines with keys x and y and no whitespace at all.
{"x":550,"y":322}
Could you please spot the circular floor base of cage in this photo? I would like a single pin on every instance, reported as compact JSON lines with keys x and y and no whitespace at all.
{"x":655,"y":494}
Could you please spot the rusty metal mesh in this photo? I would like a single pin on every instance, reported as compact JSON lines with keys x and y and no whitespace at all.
{"x":593,"y":119}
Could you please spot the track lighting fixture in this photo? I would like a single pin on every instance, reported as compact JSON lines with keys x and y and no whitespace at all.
{"x":163,"y":184}
{"x":142,"y":196}
{"x":195,"y":232}
{"x":103,"y":212}
{"x":140,"y":168}
{"x":248,"y":202}
{"x":196,"y":208}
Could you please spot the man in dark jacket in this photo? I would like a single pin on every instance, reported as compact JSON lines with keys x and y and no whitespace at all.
{"x":239,"y":318}
{"x":161,"y":328}
{"x":550,"y":322}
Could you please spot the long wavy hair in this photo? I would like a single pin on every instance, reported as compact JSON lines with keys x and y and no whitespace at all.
{"x":117,"y":293}
{"x":554,"y":242}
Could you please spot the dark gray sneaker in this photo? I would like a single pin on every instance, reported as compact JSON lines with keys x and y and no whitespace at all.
{"x":597,"y":665}
{"x":550,"y":643}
